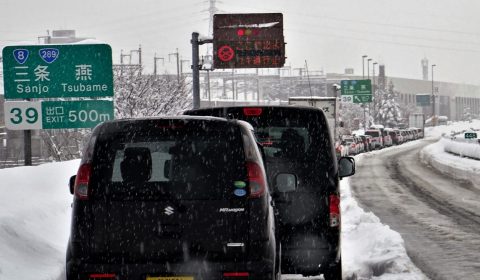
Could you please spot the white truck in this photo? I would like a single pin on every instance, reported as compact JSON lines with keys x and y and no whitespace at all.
{"x":329,"y":106}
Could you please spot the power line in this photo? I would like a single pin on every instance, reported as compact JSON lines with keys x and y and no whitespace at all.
{"x":369,"y":32}
{"x":385,"y":42}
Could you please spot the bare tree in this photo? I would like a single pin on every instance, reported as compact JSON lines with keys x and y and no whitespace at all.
{"x":144,"y":96}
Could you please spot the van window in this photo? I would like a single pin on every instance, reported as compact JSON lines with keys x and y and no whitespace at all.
{"x":186,"y":162}
{"x":372,"y":133}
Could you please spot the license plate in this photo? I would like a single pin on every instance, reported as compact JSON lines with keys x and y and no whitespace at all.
{"x":170,"y":278}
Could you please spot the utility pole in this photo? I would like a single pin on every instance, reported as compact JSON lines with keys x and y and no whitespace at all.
{"x":373,"y":89}
{"x":212,"y":10}
{"x":176,"y":54}
{"x":433,"y":99}
{"x":139,"y":51}
{"x":121,"y":60}
{"x":181,"y":65}
{"x":155,"y":59}
{"x":363,"y":66}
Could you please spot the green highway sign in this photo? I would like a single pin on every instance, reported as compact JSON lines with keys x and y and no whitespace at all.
{"x":356,"y":91}
{"x":422,"y":100}
{"x":22,"y":115}
{"x":46,"y":71}
{"x":470,"y":135}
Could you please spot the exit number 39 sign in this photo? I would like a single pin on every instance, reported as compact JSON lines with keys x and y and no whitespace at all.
{"x":22,"y":115}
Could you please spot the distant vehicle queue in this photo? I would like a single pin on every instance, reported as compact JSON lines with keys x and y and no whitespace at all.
{"x":375,"y":138}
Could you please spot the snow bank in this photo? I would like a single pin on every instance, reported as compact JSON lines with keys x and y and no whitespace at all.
{"x":370,"y":249}
{"x":462,"y":147}
{"x":34,"y":220}
{"x":35,"y":223}
{"x":450,"y":164}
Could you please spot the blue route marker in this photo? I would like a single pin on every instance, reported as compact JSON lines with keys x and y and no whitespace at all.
{"x":20,"y":55}
{"x":49,"y":55}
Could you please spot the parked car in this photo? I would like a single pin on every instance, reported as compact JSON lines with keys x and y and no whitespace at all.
{"x":377,"y":138}
{"x":360,"y":144}
{"x":420,"y":132}
{"x":415,"y":133}
{"x":409,"y":135}
{"x":371,"y":145}
{"x":396,"y":137}
{"x":340,"y":149}
{"x":387,"y":139}
{"x":351,"y":143}
{"x":171,"y":197}
{"x":297,"y":140}
{"x":365,"y":142}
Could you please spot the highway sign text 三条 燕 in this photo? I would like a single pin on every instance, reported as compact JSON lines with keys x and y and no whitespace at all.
{"x":57,"y":71}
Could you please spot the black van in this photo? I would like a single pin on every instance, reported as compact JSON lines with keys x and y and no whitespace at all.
{"x":172,"y":198}
{"x":296,"y":140}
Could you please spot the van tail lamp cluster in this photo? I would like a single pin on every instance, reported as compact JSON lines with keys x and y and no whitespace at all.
{"x":82,"y":181}
{"x":250,"y":111}
{"x":334,"y":206}
{"x":256,"y":180}
{"x":235,"y":274}
{"x":102,"y":276}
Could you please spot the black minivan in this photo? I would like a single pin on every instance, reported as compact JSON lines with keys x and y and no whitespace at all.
{"x":297,"y":140}
{"x":181,"y":198}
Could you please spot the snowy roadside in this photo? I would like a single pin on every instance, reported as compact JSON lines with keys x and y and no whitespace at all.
{"x":453,"y":165}
{"x":35,"y":222}
{"x":370,"y":249}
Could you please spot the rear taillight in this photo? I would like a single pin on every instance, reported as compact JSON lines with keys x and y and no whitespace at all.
{"x":236,"y":274}
{"x":256,"y":179}
{"x":82,"y":181}
{"x":252,"y":111}
{"x":334,"y":205}
{"x":102,"y":276}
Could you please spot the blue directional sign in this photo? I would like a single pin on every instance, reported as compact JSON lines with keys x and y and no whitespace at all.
{"x":49,"y":55}
{"x":20,"y":55}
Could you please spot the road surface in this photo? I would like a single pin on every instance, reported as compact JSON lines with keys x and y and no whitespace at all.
{"x":437,"y":216}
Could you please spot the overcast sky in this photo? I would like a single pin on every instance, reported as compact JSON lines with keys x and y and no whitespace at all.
{"x":330,"y":35}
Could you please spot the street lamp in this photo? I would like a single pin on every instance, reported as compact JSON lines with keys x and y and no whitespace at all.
{"x":433,"y":98}
{"x":363,"y":66}
{"x":373,"y":89}
{"x":368,"y":68}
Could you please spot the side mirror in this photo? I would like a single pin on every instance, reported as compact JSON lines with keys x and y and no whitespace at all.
{"x":71,"y":183}
{"x":346,"y":167}
{"x":285,"y":182}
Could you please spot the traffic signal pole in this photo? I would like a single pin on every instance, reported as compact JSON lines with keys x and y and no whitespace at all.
{"x":196,"y":67}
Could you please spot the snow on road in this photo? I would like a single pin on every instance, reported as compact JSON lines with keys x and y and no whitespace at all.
{"x":35,"y":223}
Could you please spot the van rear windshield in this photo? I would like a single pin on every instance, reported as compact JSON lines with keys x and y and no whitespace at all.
{"x":372,"y":133}
{"x":188,"y":162}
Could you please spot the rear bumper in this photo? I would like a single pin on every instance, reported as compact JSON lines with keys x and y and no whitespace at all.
{"x":199,"y":269}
